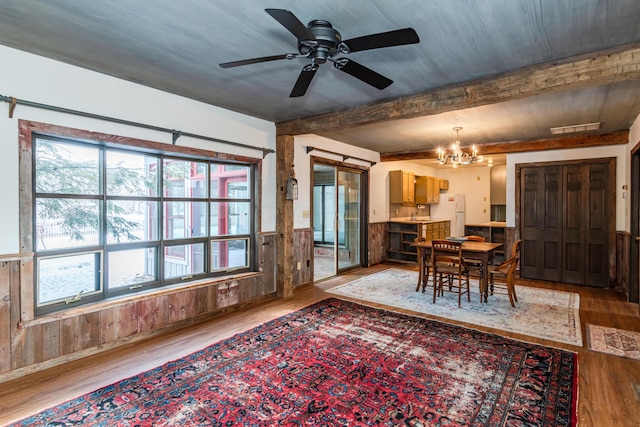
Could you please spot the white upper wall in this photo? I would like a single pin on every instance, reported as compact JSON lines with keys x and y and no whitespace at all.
{"x":33,"y":78}
{"x":302,"y":165}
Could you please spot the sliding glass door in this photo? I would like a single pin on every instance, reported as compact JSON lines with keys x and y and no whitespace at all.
{"x":337,"y":223}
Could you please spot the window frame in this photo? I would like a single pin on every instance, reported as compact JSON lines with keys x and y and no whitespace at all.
{"x":105,"y":143}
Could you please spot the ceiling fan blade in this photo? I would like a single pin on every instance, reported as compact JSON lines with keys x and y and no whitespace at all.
{"x":387,"y":39}
{"x":291,"y":23}
{"x":304,"y":80}
{"x":253,"y":61}
{"x":363,"y":73}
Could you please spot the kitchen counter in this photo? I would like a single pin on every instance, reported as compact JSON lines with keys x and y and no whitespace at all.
{"x":418,"y":220}
{"x":489,"y":224}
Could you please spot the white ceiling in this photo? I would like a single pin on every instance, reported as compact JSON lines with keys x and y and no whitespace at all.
{"x":177,"y":46}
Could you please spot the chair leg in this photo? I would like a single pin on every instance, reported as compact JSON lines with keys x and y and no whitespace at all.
{"x":468,"y":290}
{"x":424,"y":285}
{"x":435,"y":286}
{"x":511,"y":291}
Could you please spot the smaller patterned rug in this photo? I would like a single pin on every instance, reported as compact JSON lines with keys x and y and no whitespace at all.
{"x":542,"y":313}
{"x":614,"y":341}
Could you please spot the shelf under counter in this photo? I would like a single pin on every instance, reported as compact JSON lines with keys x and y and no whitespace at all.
{"x":492,"y":231}
{"x":401,"y":234}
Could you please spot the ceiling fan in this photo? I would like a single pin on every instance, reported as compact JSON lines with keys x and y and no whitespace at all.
{"x":320,"y":42}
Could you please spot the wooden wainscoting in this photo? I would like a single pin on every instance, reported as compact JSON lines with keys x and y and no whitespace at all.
{"x":623,"y":249}
{"x":29,"y":344}
{"x":377,"y":243}
{"x":303,"y":254}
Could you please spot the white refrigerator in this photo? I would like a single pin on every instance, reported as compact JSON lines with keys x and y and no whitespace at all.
{"x":451,"y":208}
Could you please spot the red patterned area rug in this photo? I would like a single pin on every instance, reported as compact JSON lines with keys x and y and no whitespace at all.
{"x":614,"y":341}
{"x":337,"y":363}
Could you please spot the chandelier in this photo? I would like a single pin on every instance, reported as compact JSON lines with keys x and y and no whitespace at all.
{"x":457,"y":156}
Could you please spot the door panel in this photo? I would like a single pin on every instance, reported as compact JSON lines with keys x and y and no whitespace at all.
{"x":337,"y":219}
{"x":349,"y":226}
{"x":541,"y":229}
{"x":574,"y":245}
{"x":597,"y":236}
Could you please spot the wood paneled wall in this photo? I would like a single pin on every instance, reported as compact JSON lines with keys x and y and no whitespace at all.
{"x":378,"y":243}
{"x":303,"y":254}
{"x":623,"y":249}
{"x":35,"y":344}
{"x":303,"y":251}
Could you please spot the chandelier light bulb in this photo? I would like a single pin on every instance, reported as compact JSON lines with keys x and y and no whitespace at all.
{"x":457,"y":156}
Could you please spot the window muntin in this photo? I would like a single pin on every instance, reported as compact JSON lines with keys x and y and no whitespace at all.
{"x":152,"y":232}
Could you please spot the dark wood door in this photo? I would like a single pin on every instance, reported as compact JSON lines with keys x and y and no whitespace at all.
{"x":586,"y":217}
{"x":567,"y":221}
{"x":541,"y":223}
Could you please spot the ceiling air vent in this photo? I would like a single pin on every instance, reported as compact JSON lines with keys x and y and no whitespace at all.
{"x":575,"y":128}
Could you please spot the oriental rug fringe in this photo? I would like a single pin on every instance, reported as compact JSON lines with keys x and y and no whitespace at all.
{"x":338,"y":363}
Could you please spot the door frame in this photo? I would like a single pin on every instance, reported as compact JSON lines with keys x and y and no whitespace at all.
{"x":364,"y":209}
{"x":634,"y":249}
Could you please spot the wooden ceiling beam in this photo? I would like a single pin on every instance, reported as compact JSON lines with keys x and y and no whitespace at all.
{"x":560,"y":143}
{"x":594,"y":69}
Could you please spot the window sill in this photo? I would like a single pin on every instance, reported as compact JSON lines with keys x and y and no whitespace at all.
{"x":114,"y":302}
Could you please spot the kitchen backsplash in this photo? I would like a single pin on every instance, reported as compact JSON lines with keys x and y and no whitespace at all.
{"x":399,"y":211}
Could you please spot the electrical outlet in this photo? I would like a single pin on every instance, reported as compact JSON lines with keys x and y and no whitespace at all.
{"x":298,"y":265}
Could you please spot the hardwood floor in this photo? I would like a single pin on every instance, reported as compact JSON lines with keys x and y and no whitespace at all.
{"x":606,"y":397}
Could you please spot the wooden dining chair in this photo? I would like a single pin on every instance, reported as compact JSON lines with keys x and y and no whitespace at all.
{"x":475,"y":265}
{"x":506,"y":271}
{"x":449,"y":267}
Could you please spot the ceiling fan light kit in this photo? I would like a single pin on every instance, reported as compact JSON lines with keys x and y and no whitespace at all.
{"x":320,"y":42}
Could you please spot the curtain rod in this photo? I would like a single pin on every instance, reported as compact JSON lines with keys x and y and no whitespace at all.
{"x":344,"y":156}
{"x":175,"y":133}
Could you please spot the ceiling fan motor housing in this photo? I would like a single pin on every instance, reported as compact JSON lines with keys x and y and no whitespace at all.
{"x":326,"y":43}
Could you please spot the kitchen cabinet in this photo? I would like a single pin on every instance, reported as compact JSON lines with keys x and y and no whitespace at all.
{"x":402,"y":187}
{"x":402,"y":235}
{"x":427,"y":190}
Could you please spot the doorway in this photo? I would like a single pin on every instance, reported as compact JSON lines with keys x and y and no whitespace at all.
{"x":567,"y":220}
{"x":337,"y":219}
{"x":634,"y":250}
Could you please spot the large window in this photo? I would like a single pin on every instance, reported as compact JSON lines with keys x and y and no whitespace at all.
{"x":110,"y":220}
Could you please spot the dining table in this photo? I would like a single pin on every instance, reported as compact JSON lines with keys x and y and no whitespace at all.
{"x":483,"y":251}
